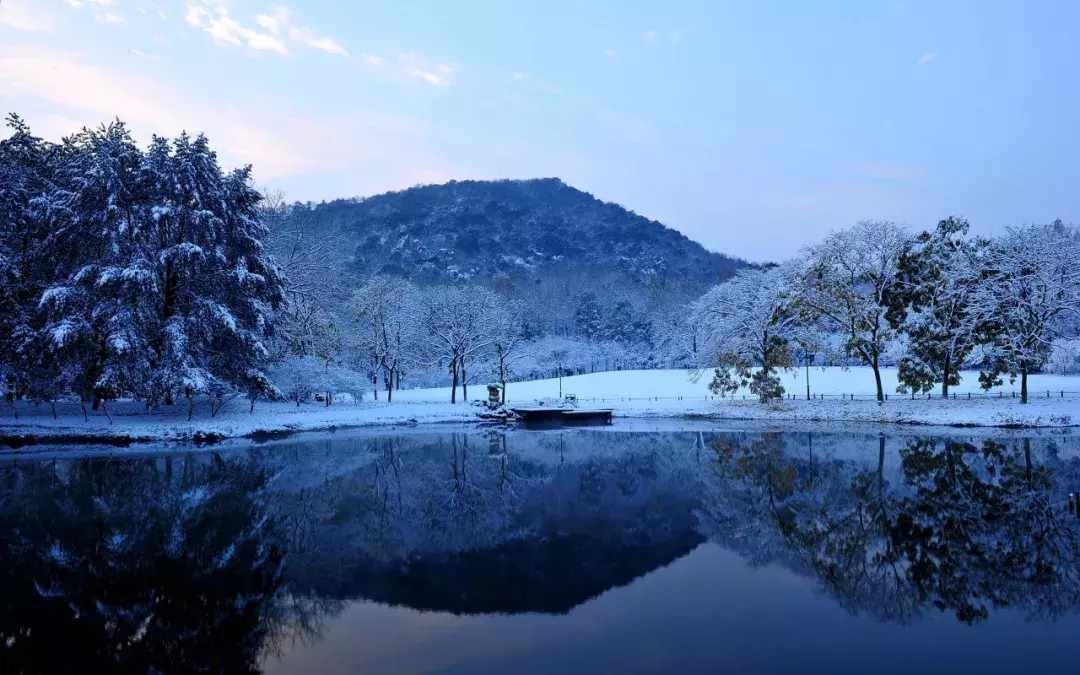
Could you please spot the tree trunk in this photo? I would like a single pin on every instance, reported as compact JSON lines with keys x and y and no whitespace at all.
{"x":945,"y":379}
{"x":375,"y":386}
{"x":1023,"y":383}
{"x":464,"y":385}
{"x":390,"y":385}
{"x":877,"y":380}
{"x":453,"y":386}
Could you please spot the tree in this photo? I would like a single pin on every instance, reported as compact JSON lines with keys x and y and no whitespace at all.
{"x":308,"y":252}
{"x":847,"y":283}
{"x":30,"y":213}
{"x":1031,"y":294}
{"x":746,"y":321}
{"x":456,"y":325}
{"x":939,"y":277}
{"x":163,"y":286}
{"x":588,"y":319}
{"x":386,"y":321}
{"x":509,"y":345}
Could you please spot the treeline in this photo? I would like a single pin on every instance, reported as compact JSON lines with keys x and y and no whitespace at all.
{"x":932,"y":303}
{"x":152,"y":274}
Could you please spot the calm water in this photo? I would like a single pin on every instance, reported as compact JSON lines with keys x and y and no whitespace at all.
{"x":578,"y":551}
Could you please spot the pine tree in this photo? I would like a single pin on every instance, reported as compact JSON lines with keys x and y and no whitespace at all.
{"x":588,"y":318}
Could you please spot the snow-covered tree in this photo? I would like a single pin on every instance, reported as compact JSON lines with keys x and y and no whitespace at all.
{"x":457,"y":324}
{"x":749,"y":321}
{"x":1031,"y":292}
{"x":588,"y":317}
{"x":847,"y":282}
{"x":386,"y":325}
{"x":167,"y":288}
{"x":510,"y":345}
{"x":29,"y":215}
{"x":940,"y":273}
{"x":309,"y":254}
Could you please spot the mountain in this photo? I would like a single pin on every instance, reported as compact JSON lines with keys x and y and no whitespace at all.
{"x":525,"y":229}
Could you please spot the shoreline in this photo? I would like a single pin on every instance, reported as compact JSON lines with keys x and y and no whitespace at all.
{"x":282,"y":421}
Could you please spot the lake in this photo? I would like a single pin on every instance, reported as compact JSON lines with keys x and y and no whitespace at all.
{"x":586,"y":550}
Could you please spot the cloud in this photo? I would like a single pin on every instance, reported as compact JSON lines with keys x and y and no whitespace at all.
{"x":274,"y":22}
{"x":927,"y":58}
{"x":213,"y":17}
{"x":279,"y":142}
{"x":115,"y":19}
{"x":160,"y":39}
{"x":676,"y":36}
{"x":280,"y":22}
{"x":141,"y":55}
{"x":609,"y":52}
{"x":520,"y":76}
{"x":324,"y":43}
{"x":430,"y":77}
{"x":372,"y":60}
{"x":629,"y":129}
{"x":103,"y":2}
{"x":20,"y":14}
{"x":650,"y":36}
{"x":412,"y":66}
{"x":74,"y":3}
{"x":226,"y":30}
{"x":162,"y":15}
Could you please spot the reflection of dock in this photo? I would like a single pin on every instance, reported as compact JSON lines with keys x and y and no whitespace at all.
{"x":557,"y":416}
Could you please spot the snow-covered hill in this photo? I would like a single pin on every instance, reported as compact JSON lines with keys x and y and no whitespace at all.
{"x":485,"y":230}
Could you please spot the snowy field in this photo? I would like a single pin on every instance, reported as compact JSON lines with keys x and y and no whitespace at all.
{"x":615,"y":387}
{"x":640,"y":394}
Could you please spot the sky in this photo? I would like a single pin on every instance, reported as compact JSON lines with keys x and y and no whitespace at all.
{"x":752,"y":127}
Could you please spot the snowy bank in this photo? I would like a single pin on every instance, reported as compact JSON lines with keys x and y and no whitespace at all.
{"x":1055,"y":402}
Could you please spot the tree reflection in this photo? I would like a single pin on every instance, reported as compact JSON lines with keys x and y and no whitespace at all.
{"x":201,"y":562}
{"x":153,"y":564}
{"x":967,"y":530}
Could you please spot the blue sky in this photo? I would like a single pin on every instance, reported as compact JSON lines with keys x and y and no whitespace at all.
{"x":753,"y":127}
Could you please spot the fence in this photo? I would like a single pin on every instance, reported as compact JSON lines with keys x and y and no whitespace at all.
{"x":1059,"y":393}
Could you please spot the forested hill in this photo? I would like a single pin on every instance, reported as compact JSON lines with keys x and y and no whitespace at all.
{"x":489,"y":230}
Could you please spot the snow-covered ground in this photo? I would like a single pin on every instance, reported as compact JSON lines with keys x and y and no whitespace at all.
{"x":644,"y":394}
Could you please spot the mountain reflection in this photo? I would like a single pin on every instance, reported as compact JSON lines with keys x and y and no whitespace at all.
{"x":213,"y":561}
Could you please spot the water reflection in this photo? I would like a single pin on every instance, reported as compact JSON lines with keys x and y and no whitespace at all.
{"x":223,"y":562}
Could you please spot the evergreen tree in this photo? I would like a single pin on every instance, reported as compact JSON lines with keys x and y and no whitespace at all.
{"x":588,"y":318}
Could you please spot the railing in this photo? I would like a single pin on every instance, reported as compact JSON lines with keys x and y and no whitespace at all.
{"x":1059,"y":393}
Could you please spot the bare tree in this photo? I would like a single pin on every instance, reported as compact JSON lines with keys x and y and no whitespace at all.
{"x":456,"y":325}
{"x":386,"y":321}
{"x":309,"y":253}
{"x":510,"y":344}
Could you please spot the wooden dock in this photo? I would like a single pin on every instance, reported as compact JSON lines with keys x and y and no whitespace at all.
{"x":561,"y":416}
